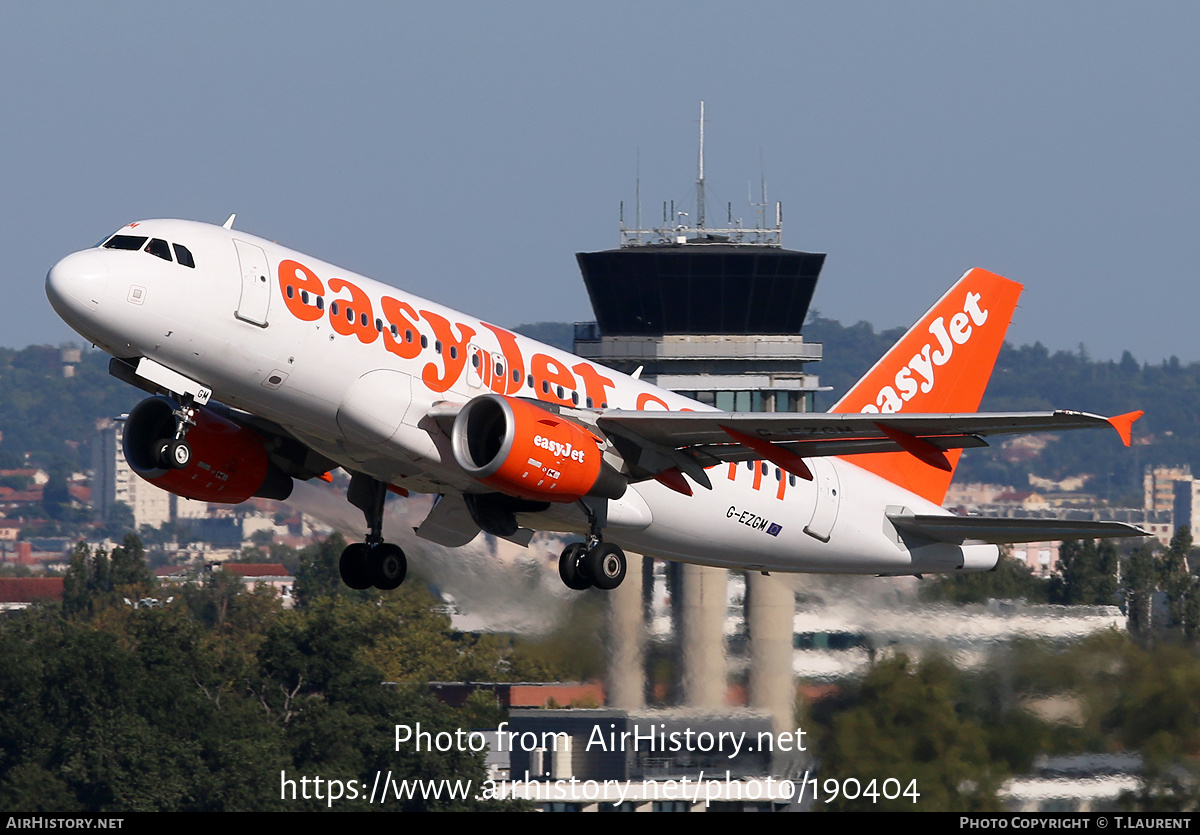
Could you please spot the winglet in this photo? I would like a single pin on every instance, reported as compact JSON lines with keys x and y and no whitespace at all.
{"x":1124,"y":425}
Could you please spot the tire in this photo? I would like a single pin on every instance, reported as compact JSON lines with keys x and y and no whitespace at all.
{"x":179,"y":454}
{"x":606,"y":565}
{"x":353,"y":566}
{"x":387,"y":566}
{"x":570,"y":568}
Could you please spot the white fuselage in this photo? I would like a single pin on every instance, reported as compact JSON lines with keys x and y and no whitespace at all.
{"x":246,"y":322}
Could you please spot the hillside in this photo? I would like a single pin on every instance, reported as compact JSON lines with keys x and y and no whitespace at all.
{"x":52,"y":418}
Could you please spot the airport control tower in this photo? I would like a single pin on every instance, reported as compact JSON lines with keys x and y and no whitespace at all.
{"x":714,"y":313}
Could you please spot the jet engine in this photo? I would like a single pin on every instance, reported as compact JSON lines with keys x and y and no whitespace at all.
{"x":521,"y":449}
{"x":229,"y":462}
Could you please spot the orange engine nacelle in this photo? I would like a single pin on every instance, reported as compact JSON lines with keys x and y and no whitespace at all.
{"x":523,"y":450}
{"x":229,"y":462}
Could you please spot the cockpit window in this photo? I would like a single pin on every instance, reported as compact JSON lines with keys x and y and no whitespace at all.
{"x":124,"y":242}
{"x":160,"y":248}
{"x":157,"y":247}
{"x":184,"y":255}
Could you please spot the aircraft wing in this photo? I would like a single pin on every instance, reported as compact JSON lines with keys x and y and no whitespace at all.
{"x":959,"y":529}
{"x":786,"y":438}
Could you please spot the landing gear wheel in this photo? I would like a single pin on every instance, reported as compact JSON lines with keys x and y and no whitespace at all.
{"x":387,"y":566}
{"x":606,"y":565}
{"x":174,"y":454}
{"x":571,"y":569}
{"x":179,"y":454}
{"x":353,"y":566}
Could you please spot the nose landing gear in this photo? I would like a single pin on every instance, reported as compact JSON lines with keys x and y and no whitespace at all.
{"x":174,"y":453}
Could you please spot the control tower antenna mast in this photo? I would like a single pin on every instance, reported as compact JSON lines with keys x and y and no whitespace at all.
{"x":700,"y":180}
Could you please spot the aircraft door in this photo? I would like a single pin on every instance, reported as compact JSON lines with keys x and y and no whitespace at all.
{"x":825,"y":511}
{"x":256,"y":289}
{"x":486,"y":372}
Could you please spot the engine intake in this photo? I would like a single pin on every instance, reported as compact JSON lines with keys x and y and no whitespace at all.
{"x":522,"y":450}
{"x":229,"y":461}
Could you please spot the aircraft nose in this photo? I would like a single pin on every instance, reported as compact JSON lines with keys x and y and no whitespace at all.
{"x":77,"y":282}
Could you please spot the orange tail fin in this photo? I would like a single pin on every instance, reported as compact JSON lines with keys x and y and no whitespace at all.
{"x":941,"y":365}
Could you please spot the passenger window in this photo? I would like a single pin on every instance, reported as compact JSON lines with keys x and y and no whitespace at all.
{"x":131,"y":242}
{"x":160,"y":248}
{"x":184,"y":255}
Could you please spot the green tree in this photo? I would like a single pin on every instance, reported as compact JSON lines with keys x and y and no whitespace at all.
{"x":904,"y":724}
{"x":129,"y":566}
{"x":55,"y":496}
{"x":1180,"y":587}
{"x":1086,"y":574}
{"x":318,"y":575}
{"x":1009,"y":580}
{"x":1139,"y":582}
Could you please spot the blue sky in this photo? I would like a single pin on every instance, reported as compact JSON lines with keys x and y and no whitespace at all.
{"x":465,"y":151}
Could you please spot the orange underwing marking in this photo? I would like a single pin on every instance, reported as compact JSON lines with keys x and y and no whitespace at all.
{"x":732,"y":470}
{"x":785,"y":459}
{"x":923,"y":450}
{"x":326,"y":477}
{"x":674,"y":479}
{"x":782,"y":488}
{"x":758,"y":474}
{"x":1124,"y":425}
{"x":399,"y":491}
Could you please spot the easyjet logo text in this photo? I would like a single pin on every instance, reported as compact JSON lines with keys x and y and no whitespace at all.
{"x":920,"y":374}
{"x":410,"y":334}
{"x":557,"y":449}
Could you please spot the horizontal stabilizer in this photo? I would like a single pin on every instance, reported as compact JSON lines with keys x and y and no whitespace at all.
{"x":959,"y":529}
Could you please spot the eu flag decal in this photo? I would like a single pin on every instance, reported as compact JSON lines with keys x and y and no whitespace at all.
{"x":774,"y":529}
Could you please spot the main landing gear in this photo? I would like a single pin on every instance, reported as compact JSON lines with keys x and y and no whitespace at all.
{"x":373,"y":562}
{"x":174,"y":453}
{"x":601,"y":564}
{"x":592,"y":563}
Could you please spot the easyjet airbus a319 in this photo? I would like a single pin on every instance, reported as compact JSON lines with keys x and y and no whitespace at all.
{"x":266,"y":366}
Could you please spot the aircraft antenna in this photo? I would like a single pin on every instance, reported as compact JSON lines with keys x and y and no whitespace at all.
{"x":700,"y":179}
{"x":228,"y":224}
{"x":637,"y":194}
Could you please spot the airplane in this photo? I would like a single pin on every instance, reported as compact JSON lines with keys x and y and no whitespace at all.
{"x":266,"y":366}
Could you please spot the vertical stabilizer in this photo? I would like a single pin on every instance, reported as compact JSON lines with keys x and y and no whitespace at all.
{"x":942,"y":365}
